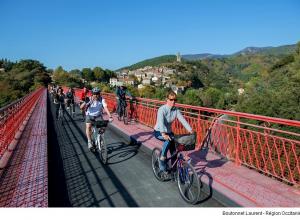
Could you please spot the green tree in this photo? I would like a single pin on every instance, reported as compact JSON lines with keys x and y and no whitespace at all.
{"x":99,"y":74}
{"x":191,"y":97}
{"x":88,"y":74}
{"x":210,"y":97}
{"x":147,"y":92}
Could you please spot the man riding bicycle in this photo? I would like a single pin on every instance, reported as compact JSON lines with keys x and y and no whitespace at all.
{"x":94,"y":112}
{"x":162,"y":131}
{"x":121,"y":93}
{"x":70,"y":98}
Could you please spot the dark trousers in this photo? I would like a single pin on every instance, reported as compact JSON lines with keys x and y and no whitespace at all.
{"x":69,"y":102}
{"x":57,"y":109}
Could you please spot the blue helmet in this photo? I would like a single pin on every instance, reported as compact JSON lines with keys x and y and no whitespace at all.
{"x":96,"y":91}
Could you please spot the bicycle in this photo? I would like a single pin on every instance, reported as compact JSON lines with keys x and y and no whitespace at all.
{"x":123,"y":114}
{"x":98,"y":140}
{"x":71,"y":108}
{"x":181,"y":171}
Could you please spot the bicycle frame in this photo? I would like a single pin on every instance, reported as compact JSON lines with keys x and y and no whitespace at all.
{"x":178,"y":156}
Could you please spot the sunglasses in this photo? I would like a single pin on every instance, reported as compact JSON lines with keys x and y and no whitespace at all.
{"x":173,"y":100}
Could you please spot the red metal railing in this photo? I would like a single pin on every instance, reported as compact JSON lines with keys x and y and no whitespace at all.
{"x":12,"y":116}
{"x":269,"y":145}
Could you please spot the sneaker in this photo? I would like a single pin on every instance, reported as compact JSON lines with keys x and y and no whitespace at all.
{"x":165,"y":175}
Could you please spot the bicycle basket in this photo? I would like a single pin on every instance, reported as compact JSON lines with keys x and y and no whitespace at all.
{"x":185,"y":142}
{"x":100,"y":124}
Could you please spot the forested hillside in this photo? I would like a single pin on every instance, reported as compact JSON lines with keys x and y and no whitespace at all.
{"x":275,"y":93}
{"x":152,"y":62}
{"x":270,"y":84}
{"x":18,"y":79}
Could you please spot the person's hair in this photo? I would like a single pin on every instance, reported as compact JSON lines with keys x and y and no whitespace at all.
{"x":171,"y":93}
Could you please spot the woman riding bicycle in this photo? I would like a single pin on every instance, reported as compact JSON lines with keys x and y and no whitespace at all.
{"x":162,"y":131}
{"x":94,"y":112}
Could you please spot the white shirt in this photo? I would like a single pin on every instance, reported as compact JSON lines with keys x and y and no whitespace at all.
{"x":95,"y":108}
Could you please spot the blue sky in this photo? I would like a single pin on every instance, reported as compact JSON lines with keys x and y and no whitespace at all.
{"x":114,"y":33}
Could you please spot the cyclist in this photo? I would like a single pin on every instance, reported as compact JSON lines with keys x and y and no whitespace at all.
{"x":70,"y":98}
{"x":53,"y":92}
{"x":121,"y":93}
{"x":59,"y":99}
{"x":94,"y":112}
{"x":162,"y":131}
{"x":83,"y":99}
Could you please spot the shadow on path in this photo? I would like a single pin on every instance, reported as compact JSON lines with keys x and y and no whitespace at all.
{"x":57,"y":191}
{"x":83,"y":178}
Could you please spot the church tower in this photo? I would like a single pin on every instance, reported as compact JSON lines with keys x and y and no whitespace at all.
{"x":178,"y":57}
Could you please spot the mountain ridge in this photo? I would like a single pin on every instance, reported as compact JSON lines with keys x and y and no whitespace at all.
{"x":269,"y":50}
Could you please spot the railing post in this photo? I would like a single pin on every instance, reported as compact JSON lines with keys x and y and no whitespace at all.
{"x":199,"y":132}
{"x":237,"y":147}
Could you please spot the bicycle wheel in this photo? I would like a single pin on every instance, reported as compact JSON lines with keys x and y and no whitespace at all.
{"x":125,"y":118}
{"x":155,"y":164}
{"x":188,"y":183}
{"x":102,"y":148}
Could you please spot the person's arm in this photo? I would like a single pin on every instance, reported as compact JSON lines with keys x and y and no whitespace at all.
{"x":183,"y":121}
{"x":161,"y":125}
{"x":85,"y":104}
{"x":82,"y":105}
{"x":105,"y":108}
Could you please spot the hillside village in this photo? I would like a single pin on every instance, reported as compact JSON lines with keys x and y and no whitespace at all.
{"x":156,"y":76}
{"x":148,"y":75}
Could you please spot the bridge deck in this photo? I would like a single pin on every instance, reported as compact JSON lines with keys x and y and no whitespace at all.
{"x":231,"y":184}
{"x":78,"y":178}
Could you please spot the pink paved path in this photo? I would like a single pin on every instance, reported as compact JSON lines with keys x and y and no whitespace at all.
{"x":233,"y":185}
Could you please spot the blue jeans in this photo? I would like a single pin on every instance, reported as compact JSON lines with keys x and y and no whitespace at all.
{"x":167,"y":145}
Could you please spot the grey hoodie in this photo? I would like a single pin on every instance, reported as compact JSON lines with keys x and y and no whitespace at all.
{"x":165,"y":118}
